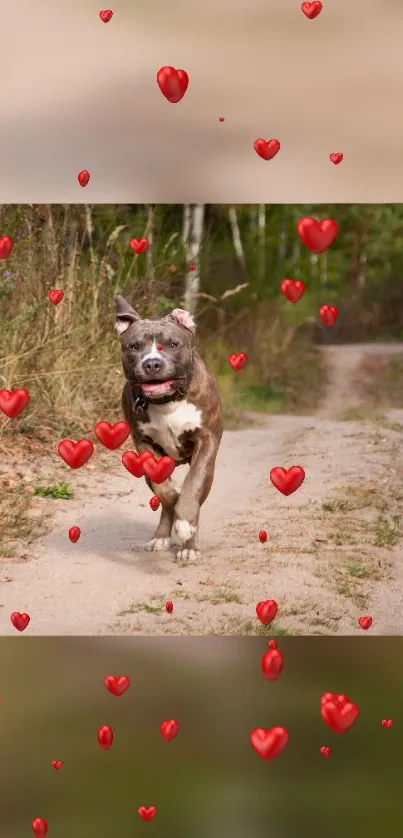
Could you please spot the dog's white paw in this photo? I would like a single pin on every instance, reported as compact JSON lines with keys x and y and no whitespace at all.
{"x":158,"y":544}
{"x":184,"y":530}
{"x":187,"y":554}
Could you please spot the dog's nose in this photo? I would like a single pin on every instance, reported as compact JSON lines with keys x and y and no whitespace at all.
{"x":151,"y":366}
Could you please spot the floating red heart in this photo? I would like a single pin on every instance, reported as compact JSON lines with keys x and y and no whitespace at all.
{"x":56,"y":296}
{"x":272,"y":663}
{"x":325,"y":751}
{"x":172,"y":83}
{"x":158,"y":470}
{"x":311,"y":10}
{"x":328,"y":315}
{"x":154,"y":503}
{"x":147,"y":812}
{"x":133,"y":462}
{"x":20,"y":620}
{"x":13,"y":402}
{"x":272,"y":644}
{"x":75,"y":454}
{"x":317,"y":235}
{"x":74,"y":534}
{"x":287,"y":481}
{"x":169,"y":607}
{"x":112,"y":436}
{"x":139,"y":245}
{"x":237,"y":360}
{"x":6,"y":246}
{"x":266,"y":611}
{"x":266,"y":149}
{"x":263,"y":536}
{"x":338,"y":712}
{"x":169,"y":729}
{"x":106,"y":15}
{"x":292,"y":289}
{"x":117,"y":684}
{"x":83,"y":177}
{"x":39,"y":826}
{"x":269,"y":743}
{"x":105,"y":737}
{"x":365,"y":623}
{"x":387,"y":722}
{"x":336,"y":157}
{"x":57,"y":763}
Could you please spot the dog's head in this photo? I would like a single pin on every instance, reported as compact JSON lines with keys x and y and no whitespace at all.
{"x":157,"y":355}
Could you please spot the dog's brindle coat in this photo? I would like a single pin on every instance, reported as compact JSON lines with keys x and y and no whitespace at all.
{"x":172,"y":404}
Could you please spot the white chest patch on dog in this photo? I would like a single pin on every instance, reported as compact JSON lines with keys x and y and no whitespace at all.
{"x":169,"y":421}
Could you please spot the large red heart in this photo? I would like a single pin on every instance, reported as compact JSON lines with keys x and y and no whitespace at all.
{"x":158,"y":470}
{"x":266,"y":148}
{"x":139,"y":245}
{"x":311,"y":10}
{"x":328,"y":315}
{"x":134,"y":462}
{"x":39,"y":826}
{"x":269,"y":743}
{"x":266,"y":611}
{"x":287,"y":481}
{"x":317,"y":235}
{"x":105,"y":737}
{"x":20,"y":620}
{"x":292,"y":289}
{"x":6,"y":246}
{"x":75,"y":454}
{"x":237,"y":360}
{"x":172,"y":83}
{"x":112,"y":436}
{"x":169,"y":729}
{"x":272,"y":664}
{"x":338,"y":712}
{"x":117,"y":684}
{"x":147,"y":812}
{"x":13,"y":402}
{"x":55,"y":296}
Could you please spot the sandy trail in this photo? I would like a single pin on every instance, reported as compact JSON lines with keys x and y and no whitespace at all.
{"x":106,"y":583}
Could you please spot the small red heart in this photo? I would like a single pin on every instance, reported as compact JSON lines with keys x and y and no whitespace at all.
{"x":83,"y":177}
{"x":106,"y":15}
{"x":172,"y":83}
{"x":75,"y":454}
{"x":287,"y":481}
{"x":311,"y":10}
{"x":192,"y":267}
{"x":6,"y":246}
{"x":105,"y":737}
{"x":139,"y":245}
{"x":339,"y":713}
{"x":221,"y":118}
{"x":272,"y":644}
{"x":237,"y":360}
{"x":158,"y":470}
{"x":154,"y":503}
{"x":329,"y":315}
{"x":325,"y":751}
{"x":74,"y":534}
{"x":365,"y":623}
{"x":272,"y":664}
{"x":269,"y":743}
{"x":387,"y":722}
{"x":169,"y":607}
{"x":117,"y":684}
{"x":13,"y":402}
{"x":336,"y":157}
{"x":263,"y":536}
{"x":292,"y":289}
{"x":56,"y":764}
{"x":266,"y":611}
{"x":318,"y":236}
{"x":133,"y":462}
{"x":20,"y":620}
{"x":169,"y":729}
{"x":39,"y":826}
{"x":266,"y":149}
{"x":160,"y":347}
{"x":147,"y":812}
{"x":56,"y":296}
{"x":112,"y":436}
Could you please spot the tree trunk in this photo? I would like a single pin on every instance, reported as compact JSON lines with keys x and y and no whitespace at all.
{"x":192,"y":280}
{"x":236,"y":236}
{"x":261,"y":225}
{"x":323,"y":269}
{"x":187,"y":216}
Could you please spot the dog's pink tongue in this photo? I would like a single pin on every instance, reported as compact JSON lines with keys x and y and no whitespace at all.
{"x":161,"y":387}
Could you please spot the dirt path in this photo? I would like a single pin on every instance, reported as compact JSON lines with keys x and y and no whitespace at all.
{"x":332,"y":552}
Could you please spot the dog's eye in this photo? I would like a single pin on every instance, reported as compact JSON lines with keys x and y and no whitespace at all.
{"x":135,"y":346}
{"x":174,"y":345}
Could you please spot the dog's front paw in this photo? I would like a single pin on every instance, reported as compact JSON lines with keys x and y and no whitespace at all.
{"x":187,"y":554}
{"x":158,"y":544}
{"x":184,"y":530}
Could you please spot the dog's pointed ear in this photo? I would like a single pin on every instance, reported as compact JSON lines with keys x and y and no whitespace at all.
{"x":125,"y":315}
{"x":183,"y":318}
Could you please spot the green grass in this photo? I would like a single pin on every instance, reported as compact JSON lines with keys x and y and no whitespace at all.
{"x":61,"y":492}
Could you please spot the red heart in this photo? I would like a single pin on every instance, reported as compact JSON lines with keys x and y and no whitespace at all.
{"x":339,"y":713}
{"x":317,"y":235}
{"x":39,"y":826}
{"x":272,"y":664}
{"x":221,"y":118}
{"x":20,"y":620}
{"x":329,"y":315}
{"x":134,"y":462}
{"x":336,"y":157}
{"x":311,"y":10}
{"x":105,"y":737}
{"x":169,"y":607}
{"x":75,"y":454}
{"x":139,"y":245}
{"x":83,"y":177}
{"x":266,"y":611}
{"x":74,"y":534}
{"x":169,"y":729}
{"x":6,"y":246}
{"x":237,"y":361}
{"x":266,"y":148}
{"x":172,"y":83}
{"x":13,"y":402}
{"x":269,"y":743}
{"x":263,"y":536}
{"x":56,"y":297}
{"x":325,"y":751}
{"x":154,"y":503}
{"x":287,"y":481}
{"x":365,"y":623}
{"x":272,"y":644}
{"x":147,"y":812}
{"x":158,"y":470}
{"x":117,"y":685}
{"x":387,"y":722}
{"x":106,"y":15}
{"x":292,"y":289}
{"x":56,"y":764}
{"x":112,"y":436}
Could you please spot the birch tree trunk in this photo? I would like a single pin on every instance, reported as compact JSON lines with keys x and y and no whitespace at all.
{"x":192,"y":280}
{"x":187,"y":215}
{"x":236,"y":236}
{"x":323,"y":269}
{"x":261,"y":226}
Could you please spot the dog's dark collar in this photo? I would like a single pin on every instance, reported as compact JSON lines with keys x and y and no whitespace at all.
{"x":139,"y":403}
